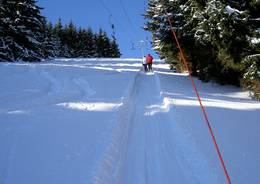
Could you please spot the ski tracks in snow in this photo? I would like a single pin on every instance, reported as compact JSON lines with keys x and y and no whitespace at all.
{"x":147,"y":145}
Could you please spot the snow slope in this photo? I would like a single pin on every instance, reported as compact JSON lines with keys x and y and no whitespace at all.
{"x":104,"y":121}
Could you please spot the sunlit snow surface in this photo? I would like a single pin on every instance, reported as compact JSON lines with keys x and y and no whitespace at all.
{"x":104,"y":121}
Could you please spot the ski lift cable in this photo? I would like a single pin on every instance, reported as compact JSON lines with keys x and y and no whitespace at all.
{"x":112,"y":26}
{"x":131,"y":36}
{"x":129,"y":19}
{"x":185,"y":63}
{"x":111,"y":15}
{"x":126,"y":14}
{"x":145,"y":5}
{"x":108,"y":11}
{"x":145,"y":9}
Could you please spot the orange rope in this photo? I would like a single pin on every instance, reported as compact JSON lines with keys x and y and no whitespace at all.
{"x":200,"y":101}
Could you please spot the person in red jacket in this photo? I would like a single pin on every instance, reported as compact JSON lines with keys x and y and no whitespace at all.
{"x":149,"y":61}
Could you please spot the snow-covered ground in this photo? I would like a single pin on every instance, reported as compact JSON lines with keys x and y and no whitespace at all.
{"x":79,"y":121}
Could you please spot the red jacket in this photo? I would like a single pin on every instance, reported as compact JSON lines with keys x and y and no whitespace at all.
{"x":149,"y":58}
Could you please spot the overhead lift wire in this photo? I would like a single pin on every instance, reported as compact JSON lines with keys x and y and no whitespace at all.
{"x":145,"y":9}
{"x":129,"y":21}
{"x":183,"y":58}
{"x":118,"y":23}
{"x":126,"y":14}
{"x":144,"y":5}
{"x":134,"y":25}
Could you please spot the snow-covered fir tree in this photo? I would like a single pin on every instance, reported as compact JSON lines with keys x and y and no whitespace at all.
{"x":57,"y":32}
{"x":86,"y":44}
{"x":225,"y":34}
{"x":251,"y":78}
{"x":25,"y":35}
{"x":216,"y":35}
{"x":49,"y":49}
{"x":56,"y":42}
{"x":23,"y":29}
{"x":114,"y":49}
{"x":102,"y":44}
{"x":71,"y":38}
{"x":89,"y":43}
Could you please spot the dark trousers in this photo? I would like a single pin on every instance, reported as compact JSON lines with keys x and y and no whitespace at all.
{"x":150,"y":66}
{"x":145,"y":67}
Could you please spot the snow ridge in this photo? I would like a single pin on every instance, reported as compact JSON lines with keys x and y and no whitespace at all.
{"x":110,"y":164}
{"x":140,"y":150}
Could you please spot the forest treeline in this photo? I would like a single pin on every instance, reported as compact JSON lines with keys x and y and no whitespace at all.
{"x":220,"y":38}
{"x":25,"y":35}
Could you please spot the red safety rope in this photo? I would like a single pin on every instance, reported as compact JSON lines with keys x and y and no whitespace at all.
{"x":199,"y":99}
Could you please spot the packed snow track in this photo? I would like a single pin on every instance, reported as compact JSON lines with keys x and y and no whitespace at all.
{"x":105,"y":121}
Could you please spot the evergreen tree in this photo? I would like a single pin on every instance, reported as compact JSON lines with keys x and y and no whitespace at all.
{"x":66,"y":51}
{"x":159,"y":26}
{"x":48,"y":41}
{"x":6,"y":53}
{"x":23,"y":27}
{"x":57,"y":29}
{"x":251,"y":77}
{"x":57,"y":32}
{"x":87,"y":42}
{"x":251,"y":63}
{"x":216,"y":35}
{"x":5,"y":40}
{"x":80,"y":47}
{"x":114,"y":50}
{"x":25,"y":35}
{"x":102,"y":44}
{"x":70,"y":37}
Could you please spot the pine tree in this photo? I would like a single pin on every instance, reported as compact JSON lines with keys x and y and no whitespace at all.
{"x":214,"y":34}
{"x":49,"y":42}
{"x":80,"y":47}
{"x":58,"y":29}
{"x":90,"y":43}
{"x":57,"y":32}
{"x":7,"y":30}
{"x":251,"y":77}
{"x":102,"y":44}
{"x":114,"y":50}
{"x":5,"y":40}
{"x":6,"y":53}
{"x":251,"y":63}
{"x":24,"y":29}
{"x":69,"y":40}
{"x":25,"y":35}
{"x":86,"y":44}
{"x":159,"y":26}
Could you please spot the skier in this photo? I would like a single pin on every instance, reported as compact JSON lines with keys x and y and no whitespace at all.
{"x":144,"y":64}
{"x":149,"y":61}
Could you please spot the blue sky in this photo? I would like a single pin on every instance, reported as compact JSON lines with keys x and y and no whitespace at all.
{"x":92,"y":13}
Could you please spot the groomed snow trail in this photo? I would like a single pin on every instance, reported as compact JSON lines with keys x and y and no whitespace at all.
{"x":145,"y":146}
{"x":103,"y":121}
